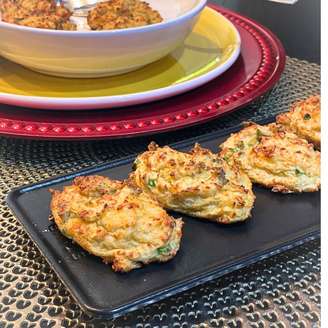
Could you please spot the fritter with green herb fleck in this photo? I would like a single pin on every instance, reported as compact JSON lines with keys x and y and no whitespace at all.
{"x":116,"y":221}
{"x":274,"y":158}
{"x":46,"y":14}
{"x":118,"y":14}
{"x":304,"y":120}
{"x":198,"y":183}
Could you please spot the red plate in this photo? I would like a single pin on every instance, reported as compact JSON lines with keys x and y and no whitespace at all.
{"x":258,"y":68}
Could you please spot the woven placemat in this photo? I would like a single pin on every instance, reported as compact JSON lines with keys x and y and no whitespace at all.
{"x":280,"y":292}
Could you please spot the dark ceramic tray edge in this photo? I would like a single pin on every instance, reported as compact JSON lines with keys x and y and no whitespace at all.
{"x":190,"y":282}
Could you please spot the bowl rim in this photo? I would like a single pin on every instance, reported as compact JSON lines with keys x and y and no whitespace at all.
{"x":131,"y":30}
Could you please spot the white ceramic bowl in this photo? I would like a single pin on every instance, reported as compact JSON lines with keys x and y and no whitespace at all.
{"x":85,"y":54}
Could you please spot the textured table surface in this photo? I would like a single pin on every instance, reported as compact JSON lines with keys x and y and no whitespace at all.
{"x":280,"y":292}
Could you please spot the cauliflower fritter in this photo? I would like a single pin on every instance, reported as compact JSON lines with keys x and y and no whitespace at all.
{"x":36,"y":13}
{"x":118,"y":14}
{"x":274,"y":158}
{"x":116,"y":221}
{"x":196,"y":183}
{"x":304,"y":120}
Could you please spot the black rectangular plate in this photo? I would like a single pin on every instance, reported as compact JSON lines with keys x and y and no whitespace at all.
{"x":208,"y":250}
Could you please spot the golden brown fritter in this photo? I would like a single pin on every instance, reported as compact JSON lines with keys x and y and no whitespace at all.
{"x":274,"y":158}
{"x":118,"y":14}
{"x":36,"y":13}
{"x":304,"y":120}
{"x":116,"y":221}
{"x":196,"y":183}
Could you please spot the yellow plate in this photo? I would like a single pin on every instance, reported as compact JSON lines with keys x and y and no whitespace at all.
{"x":211,"y":48}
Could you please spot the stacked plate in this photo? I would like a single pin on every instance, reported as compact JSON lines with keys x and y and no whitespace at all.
{"x":226,"y":62}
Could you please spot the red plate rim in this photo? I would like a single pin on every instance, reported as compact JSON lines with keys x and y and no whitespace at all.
{"x":266,"y":76}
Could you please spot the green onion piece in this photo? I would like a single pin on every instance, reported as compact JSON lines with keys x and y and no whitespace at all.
{"x":230,"y":152}
{"x":307,"y":117}
{"x":164,"y":250}
{"x":259,"y":134}
{"x":151,"y":183}
{"x":298,"y":172}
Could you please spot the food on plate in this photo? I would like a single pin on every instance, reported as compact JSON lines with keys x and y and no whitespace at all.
{"x":274,"y":158}
{"x":116,"y":221}
{"x":197,"y":183}
{"x":304,"y":120}
{"x":36,"y":13}
{"x":118,"y":14}
{"x":107,"y":15}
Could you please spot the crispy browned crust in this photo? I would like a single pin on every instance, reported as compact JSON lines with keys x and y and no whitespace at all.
{"x":118,"y":14}
{"x":303,"y":119}
{"x":116,"y":221}
{"x":274,"y":158}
